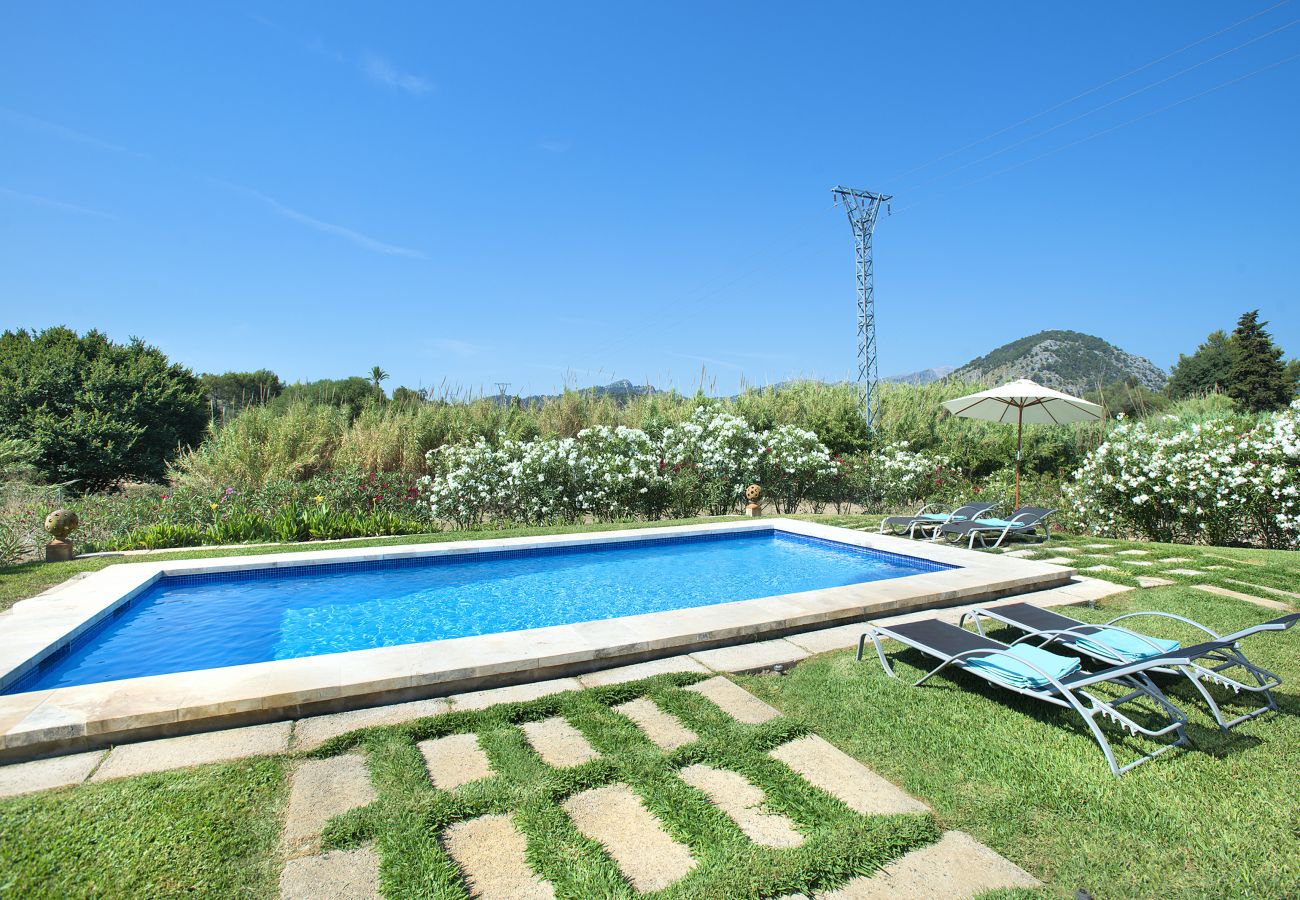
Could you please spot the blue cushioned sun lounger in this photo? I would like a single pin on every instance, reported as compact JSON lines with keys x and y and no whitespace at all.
{"x":930,"y":517}
{"x":1052,"y":678}
{"x":1024,"y":522}
{"x":1114,"y":644}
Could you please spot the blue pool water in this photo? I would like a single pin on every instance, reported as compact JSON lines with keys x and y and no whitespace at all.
{"x":190,"y":622}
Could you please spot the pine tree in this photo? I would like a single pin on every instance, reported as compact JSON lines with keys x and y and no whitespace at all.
{"x":1207,"y":370}
{"x":1259,"y":381}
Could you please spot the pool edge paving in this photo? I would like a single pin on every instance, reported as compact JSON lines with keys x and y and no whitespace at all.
{"x":84,"y":717}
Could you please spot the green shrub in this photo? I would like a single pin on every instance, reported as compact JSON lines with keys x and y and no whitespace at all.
{"x":96,"y":412}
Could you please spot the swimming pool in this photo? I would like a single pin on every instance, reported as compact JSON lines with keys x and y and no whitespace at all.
{"x":183,"y":623}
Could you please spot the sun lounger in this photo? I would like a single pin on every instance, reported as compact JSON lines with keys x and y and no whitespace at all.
{"x":1050,"y":677}
{"x":1024,"y":522}
{"x":930,"y":517}
{"x":1114,"y":644}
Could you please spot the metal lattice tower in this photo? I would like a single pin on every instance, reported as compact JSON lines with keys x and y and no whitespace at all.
{"x":863,"y":207}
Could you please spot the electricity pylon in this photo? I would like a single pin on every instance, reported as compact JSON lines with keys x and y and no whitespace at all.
{"x":863,"y":207}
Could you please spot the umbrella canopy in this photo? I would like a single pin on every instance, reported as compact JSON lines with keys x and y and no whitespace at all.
{"x":1024,"y":401}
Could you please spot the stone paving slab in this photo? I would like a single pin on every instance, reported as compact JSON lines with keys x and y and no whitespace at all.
{"x":828,"y":767}
{"x":337,"y":875}
{"x":310,"y":733}
{"x":660,"y":727}
{"x":455,"y":760}
{"x":751,"y":657}
{"x":1291,"y":595}
{"x":1188,"y":572}
{"x":1137,"y":562}
{"x":1058,"y":560}
{"x":614,"y":817}
{"x":1092,"y":589}
{"x":1133,"y":553}
{"x":1101,"y":568}
{"x":1150,"y":581}
{"x":43,"y":774}
{"x":558,"y":743}
{"x":735,"y":701}
{"x":1238,"y":595}
{"x":736,"y":796}
{"x":321,"y":790}
{"x":194,"y":750}
{"x":491,"y":854}
{"x":515,"y":693}
{"x":955,"y":867}
{"x":637,"y":671}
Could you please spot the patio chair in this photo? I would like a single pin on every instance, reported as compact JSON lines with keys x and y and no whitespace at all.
{"x":927,"y":519}
{"x":1115,"y":645}
{"x":1059,"y":680}
{"x":1024,"y":522}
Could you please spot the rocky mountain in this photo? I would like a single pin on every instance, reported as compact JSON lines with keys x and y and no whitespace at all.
{"x":1065,"y":360}
{"x":925,"y":376}
{"x":621,"y":391}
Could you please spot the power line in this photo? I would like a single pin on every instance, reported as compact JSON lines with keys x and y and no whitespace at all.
{"x":1092,"y":90}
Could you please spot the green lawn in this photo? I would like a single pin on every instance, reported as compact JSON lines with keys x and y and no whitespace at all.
{"x":1027,"y":779}
{"x":209,"y":832}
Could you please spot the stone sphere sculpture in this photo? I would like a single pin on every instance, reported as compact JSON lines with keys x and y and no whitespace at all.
{"x":754,"y":494}
{"x":61,"y":523}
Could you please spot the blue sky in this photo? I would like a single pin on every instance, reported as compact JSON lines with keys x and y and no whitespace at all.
{"x":552,"y":193}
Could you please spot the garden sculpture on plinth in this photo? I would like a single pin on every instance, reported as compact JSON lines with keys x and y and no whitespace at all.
{"x":754,"y":494}
{"x":60,"y":524}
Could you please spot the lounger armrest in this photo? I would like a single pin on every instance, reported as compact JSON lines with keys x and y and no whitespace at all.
{"x":1166,"y":615}
{"x":1075,"y":630}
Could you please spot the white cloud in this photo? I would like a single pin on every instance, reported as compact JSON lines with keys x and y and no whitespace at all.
{"x":55,"y":204}
{"x":382,"y":72}
{"x":43,"y":126}
{"x":348,"y":234}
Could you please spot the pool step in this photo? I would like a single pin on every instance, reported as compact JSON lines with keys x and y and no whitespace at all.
{"x":736,"y":796}
{"x":491,"y":854}
{"x":455,"y":760}
{"x":663,"y":729}
{"x":645,"y":853}
{"x":558,"y":743}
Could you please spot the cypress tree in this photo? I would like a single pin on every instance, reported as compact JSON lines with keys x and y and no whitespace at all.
{"x":1259,"y":377}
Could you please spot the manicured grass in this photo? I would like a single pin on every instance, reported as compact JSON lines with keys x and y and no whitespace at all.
{"x":1027,"y":779}
{"x":209,"y":832}
{"x":410,"y":811}
{"x":18,"y":582}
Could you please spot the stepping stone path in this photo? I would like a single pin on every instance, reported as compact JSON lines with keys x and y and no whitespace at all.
{"x":321,"y":790}
{"x":1272,"y":590}
{"x":1019,"y":554}
{"x":338,"y":875}
{"x":1188,"y":572}
{"x":558,"y":743}
{"x":735,"y":701}
{"x":1133,"y":553}
{"x":614,"y":817}
{"x":1101,"y":569}
{"x":1057,"y":560}
{"x":742,"y":801}
{"x":454,"y":760}
{"x":490,"y":852}
{"x":1178,"y":559}
{"x":826,"y":766}
{"x":664,"y":730}
{"x":953,"y":868}
{"x":1238,"y":595}
{"x":1097,"y":546}
{"x":1148,"y":581}
{"x":1137,"y":562}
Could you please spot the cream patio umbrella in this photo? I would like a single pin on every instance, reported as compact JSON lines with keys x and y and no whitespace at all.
{"x":1022,"y":402}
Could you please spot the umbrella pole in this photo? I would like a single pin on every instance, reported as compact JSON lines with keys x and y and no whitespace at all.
{"x":1020,"y":427}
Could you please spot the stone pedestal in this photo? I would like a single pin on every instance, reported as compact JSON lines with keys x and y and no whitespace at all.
{"x":59,"y":551}
{"x":753,"y":510}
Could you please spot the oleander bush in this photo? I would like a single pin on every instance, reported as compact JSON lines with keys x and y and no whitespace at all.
{"x":1225,"y":481}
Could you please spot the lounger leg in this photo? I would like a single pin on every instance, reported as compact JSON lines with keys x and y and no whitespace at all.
{"x":880,"y":651}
